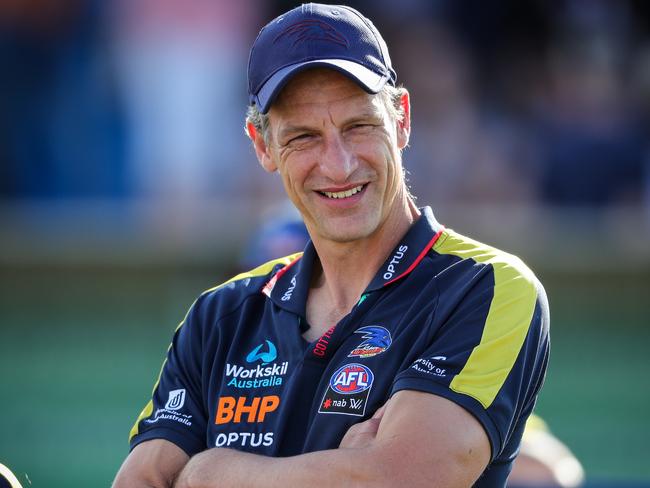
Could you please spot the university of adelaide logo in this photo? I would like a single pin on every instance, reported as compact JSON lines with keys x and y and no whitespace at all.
{"x":171,"y":410}
{"x":376,"y":340}
{"x":176,"y":400}
{"x":348,"y":390}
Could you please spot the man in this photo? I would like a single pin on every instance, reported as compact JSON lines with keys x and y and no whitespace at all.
{"x":392,"y":352}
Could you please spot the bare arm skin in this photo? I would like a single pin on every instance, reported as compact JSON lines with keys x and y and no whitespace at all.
{"x":152,"y":464}
{"x":421,"y":440}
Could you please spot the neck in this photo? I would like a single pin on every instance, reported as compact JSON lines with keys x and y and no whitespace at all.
{"x":346,"y":268}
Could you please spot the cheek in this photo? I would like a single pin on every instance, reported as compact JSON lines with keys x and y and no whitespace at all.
{"x":294,"y":172}
{"x":381,"y":153}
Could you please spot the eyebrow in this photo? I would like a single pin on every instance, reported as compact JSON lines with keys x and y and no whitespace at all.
{"x":290,"y":129}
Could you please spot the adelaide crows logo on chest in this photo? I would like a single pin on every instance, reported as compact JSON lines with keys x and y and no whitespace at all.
{"x":376,"y":340}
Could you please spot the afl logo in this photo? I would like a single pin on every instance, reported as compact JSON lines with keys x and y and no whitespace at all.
{"x":352,"y":378}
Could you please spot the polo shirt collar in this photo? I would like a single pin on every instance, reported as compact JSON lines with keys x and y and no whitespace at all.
{"x":289,"y":287}
{"x":415,"y":244}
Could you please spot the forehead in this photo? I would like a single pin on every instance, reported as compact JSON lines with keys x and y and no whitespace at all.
{"x":322,"y":88}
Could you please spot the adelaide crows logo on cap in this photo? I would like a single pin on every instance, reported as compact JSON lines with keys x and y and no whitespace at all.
{"x":313,"y":30}
{"x":377,"y":340}
{"x":348,"y":390}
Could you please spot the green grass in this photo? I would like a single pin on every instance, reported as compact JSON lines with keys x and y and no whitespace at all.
{"x":80,"y":350}
{"x":597,"y":393}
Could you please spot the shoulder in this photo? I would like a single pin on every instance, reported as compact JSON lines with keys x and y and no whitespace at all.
{"x":507,"y":269}
{"x":248,"y":283}
{"x":495,"y":285}
{"x":225,"y":299}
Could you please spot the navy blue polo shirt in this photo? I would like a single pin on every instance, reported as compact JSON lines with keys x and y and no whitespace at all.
{"x":445,"y":315}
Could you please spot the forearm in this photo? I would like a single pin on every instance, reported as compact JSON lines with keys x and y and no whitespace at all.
{"x":226,"y":468}
{"x":152,"y":464}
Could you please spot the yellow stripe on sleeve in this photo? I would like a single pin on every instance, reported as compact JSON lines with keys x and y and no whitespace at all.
{"x":146,"y":412}
{"x":507,"y":322}
{"x":259,"y":271}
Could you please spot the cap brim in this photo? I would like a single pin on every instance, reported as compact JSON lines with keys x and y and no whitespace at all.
{"x":368,"y":80}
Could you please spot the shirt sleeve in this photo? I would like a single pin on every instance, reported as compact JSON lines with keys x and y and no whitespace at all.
{"x":488,"y":349}
{"x":176,"y":411}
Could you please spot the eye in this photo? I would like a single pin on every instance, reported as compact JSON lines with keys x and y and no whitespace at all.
{"x":361,"y":126}
{"x":299,"y":138}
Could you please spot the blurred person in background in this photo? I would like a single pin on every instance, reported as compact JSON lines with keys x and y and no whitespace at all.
{"x":590,"y":131}
{"x":60,"y":132}
{"x":460,"y":151}
{"x":180,"y":76}
{"x":434,"y":388}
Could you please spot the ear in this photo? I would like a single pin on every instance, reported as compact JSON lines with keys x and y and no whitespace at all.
{"x":404,"y":125}
{"x":262,"y":149}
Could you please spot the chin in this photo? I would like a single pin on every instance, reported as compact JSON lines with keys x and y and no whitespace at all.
{"x":348,"y":232}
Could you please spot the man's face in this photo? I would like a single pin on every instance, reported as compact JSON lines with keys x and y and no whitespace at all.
{"x":337,"y":150}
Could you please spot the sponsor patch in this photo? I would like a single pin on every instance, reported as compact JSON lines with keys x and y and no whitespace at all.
{"x":391,"y":269}
{"x":432,"y":366}
{"x":237,"y":410}
{"x":287,"y":294}
{"x":320,"y":349}
{"x":266,"y":357}
{"x":176,"y":400}
{"x":244,"y":439}
{"x":376,"y":340}
{"x":348,"y":390}
{"x":266,"y":373}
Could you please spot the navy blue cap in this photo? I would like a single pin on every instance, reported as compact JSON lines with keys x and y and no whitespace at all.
{"x":333,"y":36}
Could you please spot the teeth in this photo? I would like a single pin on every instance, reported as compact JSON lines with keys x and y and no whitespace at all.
{"x":343,"y":194}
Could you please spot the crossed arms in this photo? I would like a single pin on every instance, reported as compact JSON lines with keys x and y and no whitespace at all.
{"x":416,"y":440}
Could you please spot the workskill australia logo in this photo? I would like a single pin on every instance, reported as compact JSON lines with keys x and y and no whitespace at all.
{"x":376,"y":340}
{"x":267,"y":372}
{"x":266,"y":357}
{"x":348,"y":390}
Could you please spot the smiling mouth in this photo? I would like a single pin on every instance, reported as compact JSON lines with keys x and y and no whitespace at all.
{"x":342,"y":194}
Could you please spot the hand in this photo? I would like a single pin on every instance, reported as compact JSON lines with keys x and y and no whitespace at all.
{"x":362,"y":434}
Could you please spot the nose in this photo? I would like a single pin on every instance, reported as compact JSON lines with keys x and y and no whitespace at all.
{"x":338,"y":161}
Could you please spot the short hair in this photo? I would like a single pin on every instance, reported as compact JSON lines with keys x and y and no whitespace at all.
{"x":390,"y":95}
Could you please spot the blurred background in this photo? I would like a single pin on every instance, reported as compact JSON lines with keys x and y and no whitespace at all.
{"x":127,"y":186}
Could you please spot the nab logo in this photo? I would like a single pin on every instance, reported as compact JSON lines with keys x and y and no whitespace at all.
{"x":176,"y":400}
{"x":231,"y":409}
{"x":265,"y":356}
{"x":348,"y":391}
{"x":352,"y":378}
